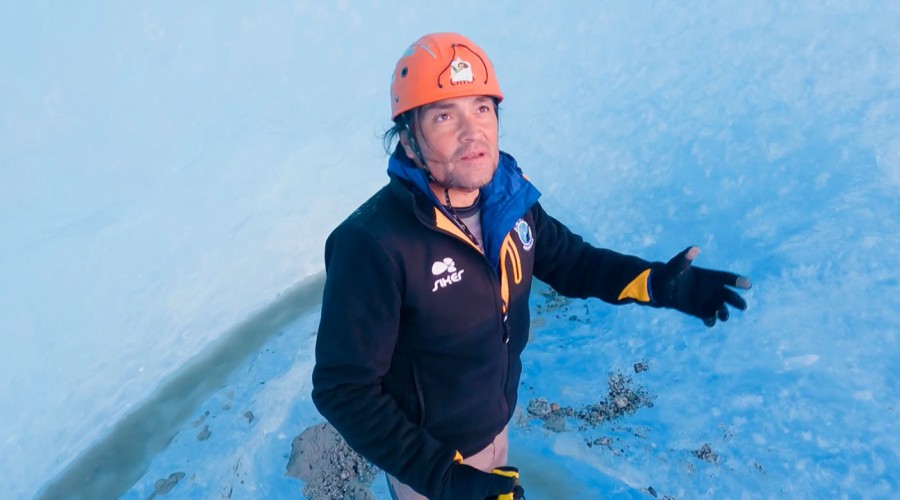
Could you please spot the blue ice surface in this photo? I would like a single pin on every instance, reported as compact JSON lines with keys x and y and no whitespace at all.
{"x":224,"y":452}
{"x":773,"y":433}
{"x":166,"y":171}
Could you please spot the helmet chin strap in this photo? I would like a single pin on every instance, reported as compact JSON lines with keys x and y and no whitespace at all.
{"x":417,"y":151}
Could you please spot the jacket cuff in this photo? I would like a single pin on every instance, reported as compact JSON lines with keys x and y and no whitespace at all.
{"x":638,"y":289}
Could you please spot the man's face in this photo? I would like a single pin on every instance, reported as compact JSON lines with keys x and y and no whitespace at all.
{"x":458,"y":139}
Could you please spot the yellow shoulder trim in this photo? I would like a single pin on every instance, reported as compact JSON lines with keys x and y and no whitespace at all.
{"x":458,"y":458}
{"x":638,"y":289}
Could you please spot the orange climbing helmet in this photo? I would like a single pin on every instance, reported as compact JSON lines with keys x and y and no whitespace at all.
{"x":441,"y":66}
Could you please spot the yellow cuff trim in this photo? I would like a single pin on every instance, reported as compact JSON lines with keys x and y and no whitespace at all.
{"x":638,"y":289}
{"x":506,"y":471}
{"x":458,"y":458}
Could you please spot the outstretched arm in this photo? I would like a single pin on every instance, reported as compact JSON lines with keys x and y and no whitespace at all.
{"x":575,"y":268}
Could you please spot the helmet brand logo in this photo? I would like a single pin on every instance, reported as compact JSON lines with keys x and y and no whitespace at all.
{"x":445,"y":266}
{"x":461,"y":72}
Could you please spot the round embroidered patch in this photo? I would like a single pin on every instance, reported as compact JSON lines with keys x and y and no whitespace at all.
{"x":525,"y":236}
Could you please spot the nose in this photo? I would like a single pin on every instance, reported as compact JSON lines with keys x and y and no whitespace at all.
{"x":468,"y":129}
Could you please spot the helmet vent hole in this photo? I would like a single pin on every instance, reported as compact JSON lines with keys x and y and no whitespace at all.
{"x":403,"y":72}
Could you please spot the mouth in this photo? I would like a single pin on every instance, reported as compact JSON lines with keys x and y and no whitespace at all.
{"x":474,"y":155}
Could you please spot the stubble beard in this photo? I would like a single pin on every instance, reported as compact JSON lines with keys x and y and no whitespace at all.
{"x":459,"y":180}
{"x":461,"y":177}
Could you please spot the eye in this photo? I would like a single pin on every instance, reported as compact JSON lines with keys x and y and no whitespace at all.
{"x":440,"y":117}
{"x":484,"y":108}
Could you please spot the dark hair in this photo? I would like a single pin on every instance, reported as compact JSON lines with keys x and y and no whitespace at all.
{"x":406,"y":121}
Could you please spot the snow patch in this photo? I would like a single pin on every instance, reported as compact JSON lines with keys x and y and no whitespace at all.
{"x":888,"y":158}
{"x":796,"y":362}
{"x":747,"y":401}
{"x":866,"y":395}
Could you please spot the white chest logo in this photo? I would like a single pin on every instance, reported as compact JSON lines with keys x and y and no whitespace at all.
{"x":445,"y":267}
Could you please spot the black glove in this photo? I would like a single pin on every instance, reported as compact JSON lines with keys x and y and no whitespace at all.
{"x":518,"y":493}
{"x":468,"y":483}
{"x":694,"y":290}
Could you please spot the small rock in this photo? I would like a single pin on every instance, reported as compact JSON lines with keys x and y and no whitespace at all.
{"x":164,"y":486}
{"x":539,"y":407}
{"x":603,"y":441}
{"x":555,"y":423}
{"x":196,"y":423}
{"x":759,"y":468}
{"x":204,"y":434}
{"x":705,"y":453}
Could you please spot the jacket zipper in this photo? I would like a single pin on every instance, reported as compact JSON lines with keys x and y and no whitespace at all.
{"x":505,"y":376}
{"x":504,"y":319}
{"x":419,"y":394}
{"x":506,"y":329}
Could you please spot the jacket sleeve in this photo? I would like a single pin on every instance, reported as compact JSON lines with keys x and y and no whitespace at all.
{"x":574,"y":268}
{"x":358,"y":330}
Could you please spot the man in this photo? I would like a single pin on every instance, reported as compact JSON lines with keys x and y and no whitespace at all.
{"x":425,"y":310}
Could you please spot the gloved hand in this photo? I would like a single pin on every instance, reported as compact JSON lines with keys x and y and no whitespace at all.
{"x":464,"y":482}
{"x":694,"y":290}
{"x":518,"y":493}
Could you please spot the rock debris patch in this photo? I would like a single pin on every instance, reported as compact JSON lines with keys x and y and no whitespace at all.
{"x":329,"y":468}
{"x":623,"y":397}
{"x":563,"y":307}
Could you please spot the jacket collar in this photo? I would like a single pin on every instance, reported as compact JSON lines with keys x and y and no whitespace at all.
{"x":503,"y":201}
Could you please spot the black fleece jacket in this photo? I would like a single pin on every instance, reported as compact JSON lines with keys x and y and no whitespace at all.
{"x":419,"y":344}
